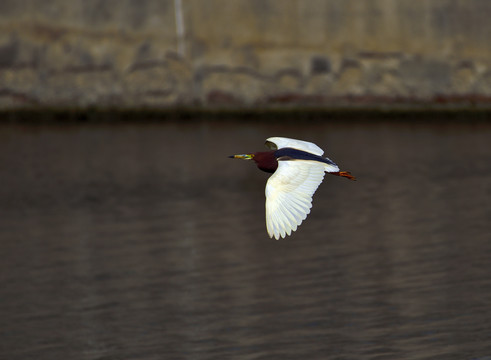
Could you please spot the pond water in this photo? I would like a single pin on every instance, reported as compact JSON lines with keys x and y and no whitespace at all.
{"x":144,"y":241}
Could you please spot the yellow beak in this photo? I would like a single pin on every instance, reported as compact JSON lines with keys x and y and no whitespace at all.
{"x":242,"y":156}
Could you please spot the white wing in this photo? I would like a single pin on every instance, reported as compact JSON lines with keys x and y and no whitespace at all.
{"x":289,"y":195}
{"x":281,"y":142}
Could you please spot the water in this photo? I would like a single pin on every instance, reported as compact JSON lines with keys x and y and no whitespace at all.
{"x":147,"y":242}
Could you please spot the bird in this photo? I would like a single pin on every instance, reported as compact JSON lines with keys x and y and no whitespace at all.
{"x":298,"y":169}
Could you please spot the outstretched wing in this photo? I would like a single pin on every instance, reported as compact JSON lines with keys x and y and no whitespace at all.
{"x":275,"y":143}
{"x":289,"y":195}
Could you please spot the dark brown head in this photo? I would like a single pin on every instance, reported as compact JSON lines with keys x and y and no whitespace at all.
{"x":265,"y":160}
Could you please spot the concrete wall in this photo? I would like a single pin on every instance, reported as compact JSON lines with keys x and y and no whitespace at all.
{"x":164,"y":53}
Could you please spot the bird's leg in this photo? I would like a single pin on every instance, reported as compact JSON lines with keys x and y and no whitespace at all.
{"x":345,"y":174}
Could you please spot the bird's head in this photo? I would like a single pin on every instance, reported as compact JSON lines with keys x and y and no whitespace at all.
{"x":242,"y":156}
{"x":265,"y":160}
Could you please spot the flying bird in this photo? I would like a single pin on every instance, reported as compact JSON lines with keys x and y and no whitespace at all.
{"x":298,"y":168}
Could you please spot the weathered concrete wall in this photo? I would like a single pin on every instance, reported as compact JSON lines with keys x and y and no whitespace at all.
{"x":163,"y":53}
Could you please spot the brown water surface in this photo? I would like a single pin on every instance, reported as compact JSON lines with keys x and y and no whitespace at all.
{"x":146,"y":242}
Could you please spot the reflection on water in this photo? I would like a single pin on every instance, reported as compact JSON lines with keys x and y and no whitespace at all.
{"x":147,"y":242}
